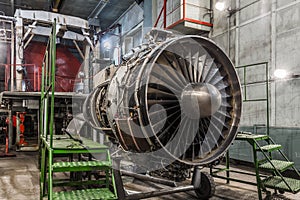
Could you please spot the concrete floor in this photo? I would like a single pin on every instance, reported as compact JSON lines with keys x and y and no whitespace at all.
{"x":19,"y":180}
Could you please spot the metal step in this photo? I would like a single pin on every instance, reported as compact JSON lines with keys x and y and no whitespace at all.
{"x":80,"y":166}
{"x":270,"y":147}
{"x":86,"y":194}
{"x":243,"y":136}
{"x":276,"y":182}
{"x":279,"y":165}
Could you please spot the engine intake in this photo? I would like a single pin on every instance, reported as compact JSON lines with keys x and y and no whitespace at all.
{"x":177,"y":94}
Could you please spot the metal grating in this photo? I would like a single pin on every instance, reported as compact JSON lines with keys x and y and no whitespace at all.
{"x":271,"y":147}
{"x":251,"y":136}
{"x":86,"y":194}
{"x":80,"y":166}
{"x":279,"y":165}
{"x":276,"y":182}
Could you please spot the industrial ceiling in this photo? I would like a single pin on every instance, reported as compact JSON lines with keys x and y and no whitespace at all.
{"x":107,"y":11}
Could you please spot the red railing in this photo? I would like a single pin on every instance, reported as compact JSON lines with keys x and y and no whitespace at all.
{"x":184,"y":18}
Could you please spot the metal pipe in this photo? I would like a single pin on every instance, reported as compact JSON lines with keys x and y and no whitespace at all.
{"x":19,"y":52}
{"x":237,"y":35}
{"x":273,"y":103}
{"x":118,"y":179}
{"x":228,"y":36}
{"x":98,"y":9}
{"x":268,"y":103}
{"x":158,"y":18}
{"x":29,"y":40}
{"x":149,"y":178}
{"x":10,"y":128}
{"x":17,"y":127}
{"x":165,"y":14}
{"x":120,"y":44}
{"x":12,"y":2}
{"x":12,"y":60}
{"x":183,"y":7}
{"x":86,"y":68}
{"x":86,"y":36}
{"x":164,"y":191}
{"x":38,"y":79}
{"x":29,"y":30}
{"x":78,"y":49}
{"x":34,"y":79}
{"x":7,"y":17}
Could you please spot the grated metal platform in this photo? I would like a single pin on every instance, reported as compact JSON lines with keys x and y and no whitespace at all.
{"x":80,"y":166}
{"x":86,"y":194}
{"x":271,"y":147}
{"x":276,"y":182}
{"x":243,"y":136}
{"x":279,"y":165}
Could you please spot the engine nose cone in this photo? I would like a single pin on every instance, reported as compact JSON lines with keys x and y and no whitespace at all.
{"x":200,"y":100}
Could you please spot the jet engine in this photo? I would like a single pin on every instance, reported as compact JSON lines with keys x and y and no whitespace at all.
{"x":177,"y":95}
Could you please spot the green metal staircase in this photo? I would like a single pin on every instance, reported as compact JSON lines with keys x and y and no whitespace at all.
{"x":67,"y":164}
{"x":265,"y":145}
{"x":263,"y":148}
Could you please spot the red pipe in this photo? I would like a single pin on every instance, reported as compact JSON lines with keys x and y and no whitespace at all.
{"x":165,"y":14}
{"x":158,"y":18}
{"x":198,"y":22}
{"x":183,"y":9}
{"x":190,"y":20}
{"x":34,"y":78}
{"x":39,"y":81}
{"x":7,"y":76}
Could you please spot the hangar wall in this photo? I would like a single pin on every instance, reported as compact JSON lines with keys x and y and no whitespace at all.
{"x":265,"y":31}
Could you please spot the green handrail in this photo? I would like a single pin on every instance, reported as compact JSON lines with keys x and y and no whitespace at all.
{"x":53,"y":59}
{"x":266,"y":81}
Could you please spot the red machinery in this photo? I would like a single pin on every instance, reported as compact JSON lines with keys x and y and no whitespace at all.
{"x":18,"y":122}
{"x":67,"y":65}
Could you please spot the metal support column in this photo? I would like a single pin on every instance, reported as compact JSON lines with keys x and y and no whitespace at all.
{"x":19,"y":53}
{"x":10,"y":128}
{"x":12,"y":59}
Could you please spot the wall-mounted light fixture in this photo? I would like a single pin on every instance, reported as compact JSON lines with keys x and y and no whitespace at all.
{"x":280,"y":73}
{"x":283,"y":74}
{"x":220,"y":6}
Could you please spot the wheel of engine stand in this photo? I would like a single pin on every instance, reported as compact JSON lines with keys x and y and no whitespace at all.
{"x":207,"y":186}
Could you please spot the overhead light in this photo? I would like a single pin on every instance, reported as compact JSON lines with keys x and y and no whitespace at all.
{"x":220,"y":5}
{"x":280,"y":73}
